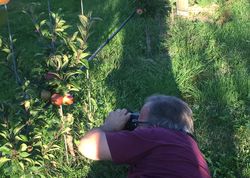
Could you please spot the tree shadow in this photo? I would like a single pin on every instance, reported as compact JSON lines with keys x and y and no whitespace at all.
{"x":134,"y":66}
{"x":144,"y":67}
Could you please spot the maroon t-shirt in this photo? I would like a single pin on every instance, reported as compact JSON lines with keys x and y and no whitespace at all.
{"x":157,"y":152}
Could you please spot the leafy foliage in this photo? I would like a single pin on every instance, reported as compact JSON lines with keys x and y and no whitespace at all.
{"x":31,"y":141}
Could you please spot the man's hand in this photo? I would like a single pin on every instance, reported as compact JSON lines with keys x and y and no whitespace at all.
{"x":116,"y":120}
{"x":93,"y":144}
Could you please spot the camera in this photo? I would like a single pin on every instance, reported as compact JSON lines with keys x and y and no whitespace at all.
{"x":132,"y":122}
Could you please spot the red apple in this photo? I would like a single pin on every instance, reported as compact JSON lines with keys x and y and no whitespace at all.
{"x":45,"y":95}
{"x":57,"y":99}
{"x":68,"y":99}
{"x":3,"y":2}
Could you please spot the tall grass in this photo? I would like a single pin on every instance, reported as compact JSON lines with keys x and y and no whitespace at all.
{"x":217,"y":58}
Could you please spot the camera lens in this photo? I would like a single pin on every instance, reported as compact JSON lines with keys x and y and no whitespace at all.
{"x":132,"y":122}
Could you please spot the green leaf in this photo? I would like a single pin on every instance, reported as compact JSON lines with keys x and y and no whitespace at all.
{"x":23,"y":147}
{"x":24,"y":154}
{"x":34,"y":169}
{"x":9,"y":56}
{"x":3,"y":160}
{"x":73,"y":48}
{"x":65,"y":61}
{"x":42,"y":22}
{"x":51,"y":156}
{"x":4,"y":135}
{"x":83,"y":32}
{"x":17,"y":129}
{"x":81,"y":43}
{"x":70,"y":74}
{"x":4,"y":125}
{"x":96,"y":18}
{"x":36,"y":26}
{"x":42,"y":176}
{"x":85,"y":63}
{"x":46,"y":157}
{"x":6,"y":50}
{"x":33,"y":112}
{"x":5,"y":150}
{"x":21,"y":165}
{"x":38,"y":136}
{"x":83,"y":55}
{"x":38,"y":163}
{"x":77,"y":142}
{"x":9,"y":145}
{"x":83,"y":19}
{"x":29,"y":160}
{"x":21,"y":138}
{"x":94,"y":104}
{"x":45,"y":32}
{"x":54,"y":148}
{"x":24,"y":138}
{"x":74,"y":36}
{"x":74,"y":89}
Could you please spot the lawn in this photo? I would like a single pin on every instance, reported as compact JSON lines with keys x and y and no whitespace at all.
{"x":204,"y":62}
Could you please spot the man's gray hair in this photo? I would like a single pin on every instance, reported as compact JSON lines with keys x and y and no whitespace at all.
{"x":170,"y":112}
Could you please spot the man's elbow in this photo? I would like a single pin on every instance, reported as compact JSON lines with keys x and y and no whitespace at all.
{"x":88,"y":149}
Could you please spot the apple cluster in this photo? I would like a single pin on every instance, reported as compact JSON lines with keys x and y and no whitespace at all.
{"x":57,"y":99}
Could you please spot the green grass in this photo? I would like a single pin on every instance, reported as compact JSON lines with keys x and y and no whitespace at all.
{"x":204,"y":63}
{"x":216,"y":61}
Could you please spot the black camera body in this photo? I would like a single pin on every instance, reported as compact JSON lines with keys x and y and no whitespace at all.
{"x":132,"y":122}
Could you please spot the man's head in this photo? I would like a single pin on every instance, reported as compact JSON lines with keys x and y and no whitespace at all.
{"x":167,"y":112}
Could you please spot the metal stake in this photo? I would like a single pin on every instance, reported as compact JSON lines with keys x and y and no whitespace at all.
{"x":14,"y":61}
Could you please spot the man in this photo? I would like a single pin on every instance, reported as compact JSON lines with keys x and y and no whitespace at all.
{"x":161,"y":146}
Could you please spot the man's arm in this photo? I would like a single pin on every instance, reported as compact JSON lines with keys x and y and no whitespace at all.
{"x":94,"y":145}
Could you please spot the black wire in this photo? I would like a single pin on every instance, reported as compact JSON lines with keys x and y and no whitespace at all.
{"x":109,"y":39}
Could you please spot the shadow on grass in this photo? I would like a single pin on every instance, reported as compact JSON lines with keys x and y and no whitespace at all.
{"x":135,"y":65}
{"x":112,"y":14}
{"x":144,"y":67}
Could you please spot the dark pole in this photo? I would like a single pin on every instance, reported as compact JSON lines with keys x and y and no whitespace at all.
{"x":51,"y":26}
{"x":14,"y":60}
{"x":109,"y":39}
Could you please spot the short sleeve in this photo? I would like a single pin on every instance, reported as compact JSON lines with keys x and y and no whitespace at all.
{"x":129,"y":146}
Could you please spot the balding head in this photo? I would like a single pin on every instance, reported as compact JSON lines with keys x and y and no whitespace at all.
{"x":168,"y":112}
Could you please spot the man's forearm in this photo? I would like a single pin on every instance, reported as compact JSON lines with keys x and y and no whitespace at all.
{"x":94,"y":145}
